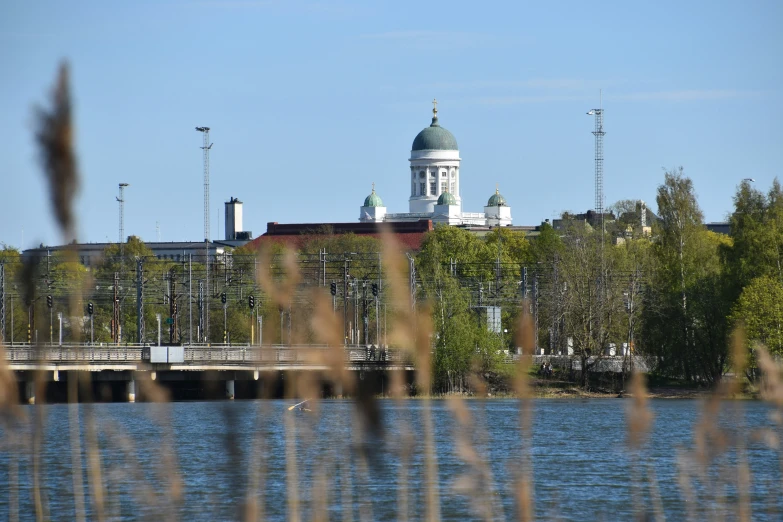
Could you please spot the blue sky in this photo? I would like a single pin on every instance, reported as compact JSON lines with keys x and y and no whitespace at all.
{"x":311,"y":102}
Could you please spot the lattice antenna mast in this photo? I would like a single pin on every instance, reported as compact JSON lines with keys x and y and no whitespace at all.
{"x":599,"y":159}
{"x":207,"y":145}
{"x":121,"y":200}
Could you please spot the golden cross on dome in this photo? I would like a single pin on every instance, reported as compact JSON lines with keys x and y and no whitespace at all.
{"x":434,"y":106}
{"x":373,"y":186}
{"x":497,"y":188}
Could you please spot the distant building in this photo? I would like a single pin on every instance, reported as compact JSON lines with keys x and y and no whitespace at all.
{"x":719,"y":227}
{"x":409,"y":234}
{"x":435,"y":187}
{"x":91,"y":254}
{"x":234,"y":230}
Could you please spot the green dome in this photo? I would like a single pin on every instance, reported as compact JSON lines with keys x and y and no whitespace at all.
{"x":434,"y":137}
{"x":373,"y":200}
{"x":447,"y":199}
{"x":496,"y":200}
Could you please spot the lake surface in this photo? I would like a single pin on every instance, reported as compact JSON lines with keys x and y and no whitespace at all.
{"x":227,"y":452}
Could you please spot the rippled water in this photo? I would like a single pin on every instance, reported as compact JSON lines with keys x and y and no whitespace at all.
{"x":582,"y":468}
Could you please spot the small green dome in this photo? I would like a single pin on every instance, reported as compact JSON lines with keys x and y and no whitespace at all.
{"x":497,"y":200}
{"x":373,"y":200}
{"x":447,"y":198}
{"x":434,"y":137}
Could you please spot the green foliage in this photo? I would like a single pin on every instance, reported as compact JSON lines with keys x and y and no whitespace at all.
{"x":687,"y":301}
{"x":760,"y":309}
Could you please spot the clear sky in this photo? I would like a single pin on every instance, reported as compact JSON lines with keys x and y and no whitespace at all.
{"x":311,"y":102}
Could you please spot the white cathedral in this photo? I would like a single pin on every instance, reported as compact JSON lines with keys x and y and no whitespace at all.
{"x":435,"y":186}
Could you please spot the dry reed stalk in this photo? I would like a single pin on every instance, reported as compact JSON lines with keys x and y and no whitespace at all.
{"x":772,"y":392}
{"x":472,"y":483}
{"x":94,"y":468}
{"x":76,"y":450}
{"x":639,"y":419}
{"x":255,"y":507}
{"x":55,"y":138}
{"x":525,"y":338}
{"x":13,"y":488}
{"x":346,"y":486}
{"x":742,"y":475}
{"x":655,"y":495}
{"x":684,"y":481}
{"x":359,"y":447}
{"x":292,"y":471}
{"x":321,"y":496}
{"x":38,"y":430}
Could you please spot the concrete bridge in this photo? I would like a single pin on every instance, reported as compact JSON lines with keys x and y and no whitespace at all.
{"x":182,"y":368}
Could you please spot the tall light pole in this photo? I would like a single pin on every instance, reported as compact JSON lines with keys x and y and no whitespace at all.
{"x":121,"y":200}
{"x":205,"y":148}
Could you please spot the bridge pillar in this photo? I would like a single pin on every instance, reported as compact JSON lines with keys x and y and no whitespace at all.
{"x":29,"y":392}
{"x":131,"y":391}
{"x":230,"y":390}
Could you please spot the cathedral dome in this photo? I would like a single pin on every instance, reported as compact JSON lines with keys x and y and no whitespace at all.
{"x":373,"y":200}
{"x":447,"y":198}
{"x":496,"y":200}
{"x":434,"y":137}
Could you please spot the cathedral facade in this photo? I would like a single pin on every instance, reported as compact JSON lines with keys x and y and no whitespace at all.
{"x":435,"y":186}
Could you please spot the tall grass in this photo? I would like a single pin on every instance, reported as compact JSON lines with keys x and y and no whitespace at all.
{"x":704,"y":475}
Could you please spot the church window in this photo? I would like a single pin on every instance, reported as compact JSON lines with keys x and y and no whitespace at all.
{"x":443,"y":186}
{"x":443,"y":174}
{"x":453,"y":174}
{"x":433,"y":187}
{"x":422,"y":189}
{"x":421,"y":174}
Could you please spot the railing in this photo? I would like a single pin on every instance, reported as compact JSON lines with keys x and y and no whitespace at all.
{"x":291,"y":355}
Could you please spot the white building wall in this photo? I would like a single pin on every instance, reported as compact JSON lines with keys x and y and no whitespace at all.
{"x":498,"y":216}
{"x":432,"y":163}
{"x":372,"y":214}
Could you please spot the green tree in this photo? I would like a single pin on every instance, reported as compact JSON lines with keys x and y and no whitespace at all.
{"x":760,"y":309}
{"x":686,"y":302}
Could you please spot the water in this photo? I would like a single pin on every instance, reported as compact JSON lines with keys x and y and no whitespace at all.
{"x":582,"y":468}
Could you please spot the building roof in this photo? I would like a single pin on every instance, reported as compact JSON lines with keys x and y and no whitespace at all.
{"x":409,"y":234}
{"x":434,"y":137}
{"x":373,"y":200}
{"x":447,"y":198}
{"x":496,"y":200}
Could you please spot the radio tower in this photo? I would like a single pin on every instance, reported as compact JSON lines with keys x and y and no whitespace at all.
{"x":599,"y":159}
{"x":121,"y":199}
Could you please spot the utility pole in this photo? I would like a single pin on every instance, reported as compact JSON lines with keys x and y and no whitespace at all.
{"x":2,"y":302}
{"x":190,"y":298}
{"x":140,"y":300}
{"x":201,"y":311}
{"x":121,"y":200}
{"x":115,"y":330}
{"x":346,"y":264}
{"x":412,"y":265}
{"x":173,"y":308}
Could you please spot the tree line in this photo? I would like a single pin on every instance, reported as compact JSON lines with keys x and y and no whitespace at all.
{"x":671,"y":289}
